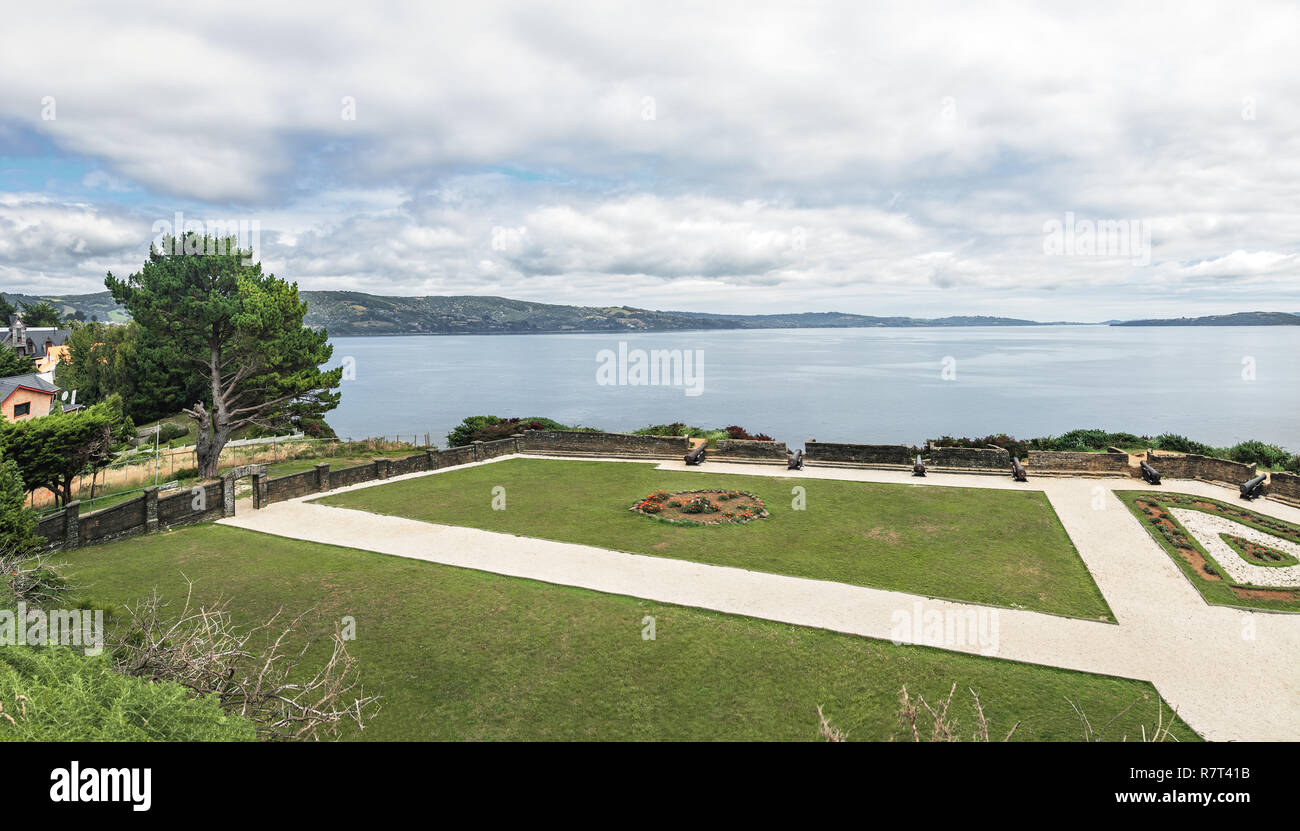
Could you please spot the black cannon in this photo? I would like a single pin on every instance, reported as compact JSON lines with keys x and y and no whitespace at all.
{"x":794,"y":460}
{"x":696,"y":456}
{"x":1150,"y":474}
{"x":1018,"y":470}
{"x":1253,"y":488}
{"x":918,"y":469}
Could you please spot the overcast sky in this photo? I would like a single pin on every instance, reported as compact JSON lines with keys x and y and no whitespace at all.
{"x":897,"y":159}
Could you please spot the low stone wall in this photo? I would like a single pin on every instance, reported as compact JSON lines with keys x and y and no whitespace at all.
{"x":1207,"y":468}
{"x":455,"y":456}
{"x":744,"y":450}
{"x":826,"y":452}
{"x":69,"y":528}
{"x":289,"y":487}
{"x":1069,"y":462}
{"x":564,"y":442}
{"x":1284,"y":487}
{"x":970,"y":458}
{"x":484,"y":450}
{"x":112,"y":523}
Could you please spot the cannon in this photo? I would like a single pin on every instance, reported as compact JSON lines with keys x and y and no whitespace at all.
{"x":1150,"y":474}
{"x":794,"y":460}
{"x":696,"y":456}
{"x":1253,"y":488}
{"x":1018,"y":470}
{"x":918,"y":469}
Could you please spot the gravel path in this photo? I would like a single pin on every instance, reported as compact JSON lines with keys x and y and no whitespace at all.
{"x":1231,"y":674}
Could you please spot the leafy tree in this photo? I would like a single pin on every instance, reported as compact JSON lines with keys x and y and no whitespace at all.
{"x":238,"y":329}
{"x":40,"y":314}
{"x":7,"y":310}
{"x":17,"y":521}
{"x":53,"y":450}
{"x":119,"y":359}
{"x":11,"y":363}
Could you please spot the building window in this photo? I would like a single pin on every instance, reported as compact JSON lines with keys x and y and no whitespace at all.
{"x":22,"y":409}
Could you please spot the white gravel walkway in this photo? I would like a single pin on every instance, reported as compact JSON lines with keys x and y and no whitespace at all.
{"x":1206,"y":528}
{"x":1231,"y":674}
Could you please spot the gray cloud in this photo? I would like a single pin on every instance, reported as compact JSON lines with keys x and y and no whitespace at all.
{"x":895,"y":159}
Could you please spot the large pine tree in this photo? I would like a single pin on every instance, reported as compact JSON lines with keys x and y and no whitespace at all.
{"x":240,"y":330}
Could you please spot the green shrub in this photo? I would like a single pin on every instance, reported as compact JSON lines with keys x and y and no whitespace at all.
{"x":1256,"y":452}
{"x":55,"y":693}
{"x":1182,"y":444}
{"x":490,"y":427}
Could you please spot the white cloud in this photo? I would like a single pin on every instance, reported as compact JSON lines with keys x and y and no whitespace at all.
{"x":880,"y":158}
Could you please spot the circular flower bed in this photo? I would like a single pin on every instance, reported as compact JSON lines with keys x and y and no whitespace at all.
{"x":704,"y":507}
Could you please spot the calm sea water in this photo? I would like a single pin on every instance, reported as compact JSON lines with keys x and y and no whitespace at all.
{"x":863,"y":385}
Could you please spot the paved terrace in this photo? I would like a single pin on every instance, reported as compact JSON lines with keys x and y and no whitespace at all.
{"x":1231,"y":674}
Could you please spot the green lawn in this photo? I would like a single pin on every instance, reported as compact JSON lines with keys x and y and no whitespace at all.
{"x":461,"y":654}
{"x":1001,"y":547}
{"x":1218,"y":592}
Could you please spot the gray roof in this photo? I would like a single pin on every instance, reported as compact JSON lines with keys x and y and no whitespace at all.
{"x":37,"y":336}
{"x":30,"y":380}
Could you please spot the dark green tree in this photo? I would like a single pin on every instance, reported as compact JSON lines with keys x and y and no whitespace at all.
{"x":51,"y":451}
{"x":40,"y":314}
{"x":17,"y":521}
{"x":11,"y":363}
{"x":7,"y":310}
{"x":217,"y":315}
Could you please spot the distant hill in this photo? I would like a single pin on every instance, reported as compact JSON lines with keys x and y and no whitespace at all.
{"x":355,"y":313}
{"x":351,"y":313}
{"x":1238,"y":319}
{"x":97,"y":306}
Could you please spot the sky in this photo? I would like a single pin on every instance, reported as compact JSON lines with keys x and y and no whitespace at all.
{"x":1048,"y":161}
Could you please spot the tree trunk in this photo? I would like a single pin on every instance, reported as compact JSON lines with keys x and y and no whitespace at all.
{"x":211,"y":440}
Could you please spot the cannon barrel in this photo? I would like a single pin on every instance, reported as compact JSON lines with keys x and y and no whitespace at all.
{"x":1150,"y":474}
{"x":1018,"y":470}
{"x":794,"y":460}
{"x":918,"y":469}
{"x":1253,"y":487}
{"x":696,"y":456}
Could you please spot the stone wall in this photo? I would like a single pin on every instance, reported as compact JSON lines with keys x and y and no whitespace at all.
{"x":1284,"y":487}
{"x":1045,"y":461}
{"x":1209,"y":469}
{"x":69,"y":528}
{"x":290,"y":487}
{"x":564,"y":442}
{"x":826,"y":452}
{"x":744,"y":450}
{"x":970,"y":458}
{"x":116,"y":522}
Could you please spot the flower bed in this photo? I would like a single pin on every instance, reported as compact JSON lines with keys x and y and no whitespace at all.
{"x":1257,"y":554}
{"x":702,"y":507}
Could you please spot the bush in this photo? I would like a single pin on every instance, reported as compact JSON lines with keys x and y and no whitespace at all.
{"x":735,"y":432}
{"x":169,"y":430}
{"x":1266,"y":455}
{"x":1182,"y":444}
{"x":55,"y":693}
{"x":490,"y":427}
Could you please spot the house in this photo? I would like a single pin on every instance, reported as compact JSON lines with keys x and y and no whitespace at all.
{"x":27,"y":396}
{"x":36,"y":341}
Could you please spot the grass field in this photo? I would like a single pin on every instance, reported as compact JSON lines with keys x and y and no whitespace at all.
{"x":461,"y":654}
{"x":1001,"y":547}
{"x":1218,"y":589}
